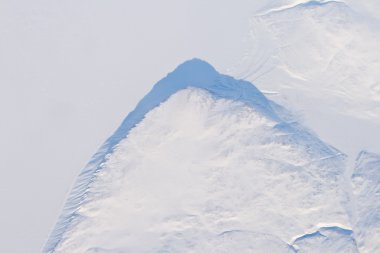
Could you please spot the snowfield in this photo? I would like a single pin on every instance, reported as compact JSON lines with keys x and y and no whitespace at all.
{"x":207,"y":163}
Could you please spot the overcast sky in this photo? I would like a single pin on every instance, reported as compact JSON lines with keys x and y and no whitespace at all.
{"x":70,"y":71}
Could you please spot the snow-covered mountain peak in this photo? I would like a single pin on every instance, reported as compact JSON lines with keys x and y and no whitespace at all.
{"x":200,"y":74}
{"x":193,"y":73}
{"x":202,"y":164}
{"x":185,"y":71}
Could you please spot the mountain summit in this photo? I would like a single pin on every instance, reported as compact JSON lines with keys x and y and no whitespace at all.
{"x":206,"y":163}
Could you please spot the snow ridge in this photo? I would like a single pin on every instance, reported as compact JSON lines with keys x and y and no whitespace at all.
{"x":308,"y":4}
{"x":192,"y":73}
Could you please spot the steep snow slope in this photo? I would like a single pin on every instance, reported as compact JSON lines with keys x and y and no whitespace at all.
{"x":206,"y":163}
{"x":321,"y":60}
{"x":366,"y":181}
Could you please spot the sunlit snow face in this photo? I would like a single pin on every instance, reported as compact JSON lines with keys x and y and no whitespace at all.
{"x":205,"y":173}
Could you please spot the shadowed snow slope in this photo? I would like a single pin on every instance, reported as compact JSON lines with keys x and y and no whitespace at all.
{"x":205,"y":163}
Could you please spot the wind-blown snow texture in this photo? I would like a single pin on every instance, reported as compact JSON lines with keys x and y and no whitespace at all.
{"x":320,"y":59}
{"x":206,"y":163}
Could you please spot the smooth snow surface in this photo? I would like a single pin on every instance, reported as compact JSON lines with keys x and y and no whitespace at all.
{"x":320,"y":59}
{"x":206,"y":163}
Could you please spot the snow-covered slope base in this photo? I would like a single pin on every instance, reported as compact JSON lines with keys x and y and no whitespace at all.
{"x":207,"y":164}
{"x":366,"y":181}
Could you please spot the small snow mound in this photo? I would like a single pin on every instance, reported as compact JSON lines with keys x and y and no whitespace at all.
{"x":328,"y":240}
